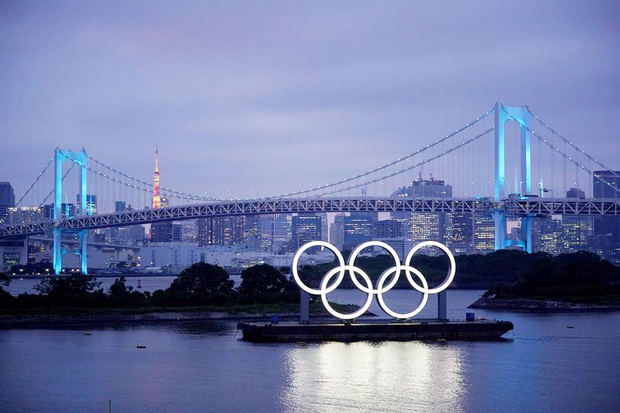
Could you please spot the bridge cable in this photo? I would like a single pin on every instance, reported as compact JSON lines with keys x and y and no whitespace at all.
{"x":35,"y":182}
{"x":421,"y":163}
{"x":557,"y":150}
{"x":577,"y":148}
{"x":435,"y":143}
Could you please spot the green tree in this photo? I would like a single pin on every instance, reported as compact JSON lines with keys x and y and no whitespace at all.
{"x":201,"y":284}
{"x":264,"y":284}
{"x":76,"y":290}
{"x":121,"y":295}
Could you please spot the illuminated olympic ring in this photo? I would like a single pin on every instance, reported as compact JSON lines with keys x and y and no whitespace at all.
{"x":367,"y":285}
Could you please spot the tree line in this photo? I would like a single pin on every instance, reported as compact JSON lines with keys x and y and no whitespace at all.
{"x":201,"y":284}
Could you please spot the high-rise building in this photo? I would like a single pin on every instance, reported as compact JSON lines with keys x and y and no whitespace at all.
{"x":229,"y":230}
{"x":603,"y":183}
{"x":7,"y":200}
{"x":358,"y":228}
{"x":66,"y":210}
{"x":462,"y":237}
{"x":547,"y":235}
{"x":91,"y":204}
{"x":389,"y":228}
{"x":425,"y":226}
{"x":607,"y":228}
{"x":336,"y":231}
{"x":305,"y":228}
{"x":484,"y":234}
{"x":430,"y":188}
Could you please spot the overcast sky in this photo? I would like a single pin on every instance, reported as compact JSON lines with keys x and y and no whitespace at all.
{"x":276,"y":95}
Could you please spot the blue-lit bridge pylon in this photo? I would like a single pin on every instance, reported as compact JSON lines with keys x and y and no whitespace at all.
{"x":521,"y":116}
{"x":78,"y":158}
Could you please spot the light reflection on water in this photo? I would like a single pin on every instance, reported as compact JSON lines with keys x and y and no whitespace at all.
{"x":392,"y":377}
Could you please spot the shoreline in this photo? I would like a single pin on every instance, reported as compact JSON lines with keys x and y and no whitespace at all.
{"x":540,"y":305}
{"x":11,"y":321}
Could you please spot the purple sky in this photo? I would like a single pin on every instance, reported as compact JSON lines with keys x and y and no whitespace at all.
{"x":277,"y":95}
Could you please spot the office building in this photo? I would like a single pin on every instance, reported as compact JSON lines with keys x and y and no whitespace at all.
{"x":7,"y":200}
{"x":336,"y":231}
{"x":358,"y":228}
{"x":606,"y":238}
{"x":305,"y":228}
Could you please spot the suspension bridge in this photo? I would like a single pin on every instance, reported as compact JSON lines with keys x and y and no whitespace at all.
{"x":475,"y":159}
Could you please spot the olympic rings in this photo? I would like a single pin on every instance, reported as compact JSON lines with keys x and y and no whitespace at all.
{"x":368,"y":288}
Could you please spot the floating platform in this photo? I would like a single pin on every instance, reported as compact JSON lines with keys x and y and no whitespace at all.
{"x":376,"y":331}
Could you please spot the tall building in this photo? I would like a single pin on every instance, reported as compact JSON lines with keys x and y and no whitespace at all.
{"x":7,"y":200}
{"x":156,"y":197}
{"x":389,"y":228}
{"x":462,"y":237}
{"x":229,"y":230}
{"x":358,"y":228}
{"x":484,"y":234}
{"x":601,"y":184}
{"x":336,"y":231}
{"x":547,"y":235}
{"x":430,"y":188}
{"x":607,"y":228}
{"x":425,"y":226}
{"x":305,"y":228}
{"x":66,"y":210}
{"x":91,"y":204}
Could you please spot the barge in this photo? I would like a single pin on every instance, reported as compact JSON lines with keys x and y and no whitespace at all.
{"x":481,"y":330}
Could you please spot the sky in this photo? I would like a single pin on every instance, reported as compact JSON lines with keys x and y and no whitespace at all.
{"x":247,"y":98}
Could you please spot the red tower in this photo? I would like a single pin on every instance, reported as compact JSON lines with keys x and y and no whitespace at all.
{"x":156,"y":197}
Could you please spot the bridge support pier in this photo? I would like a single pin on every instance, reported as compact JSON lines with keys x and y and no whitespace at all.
{"x":83,"y":234}
{"x":500,"y":230}
{"x":57,"y":250}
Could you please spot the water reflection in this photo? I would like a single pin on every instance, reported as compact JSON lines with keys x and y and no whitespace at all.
{"x":391,"y":376}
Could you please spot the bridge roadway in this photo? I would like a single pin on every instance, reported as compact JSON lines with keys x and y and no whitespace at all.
{"x":513,"y":206}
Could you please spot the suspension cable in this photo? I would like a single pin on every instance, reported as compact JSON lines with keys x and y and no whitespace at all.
{"x":433,"y":144}
{"x":54,"y":189}
{"x":183,"y":195}
{"x":565,"y":156}
{"x":423,"y":162}
{"x":35,"y":182}
{"x":577,"y":148}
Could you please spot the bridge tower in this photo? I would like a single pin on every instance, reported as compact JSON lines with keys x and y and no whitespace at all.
{"x":521,"y":116}
{"x":78,"y":158}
